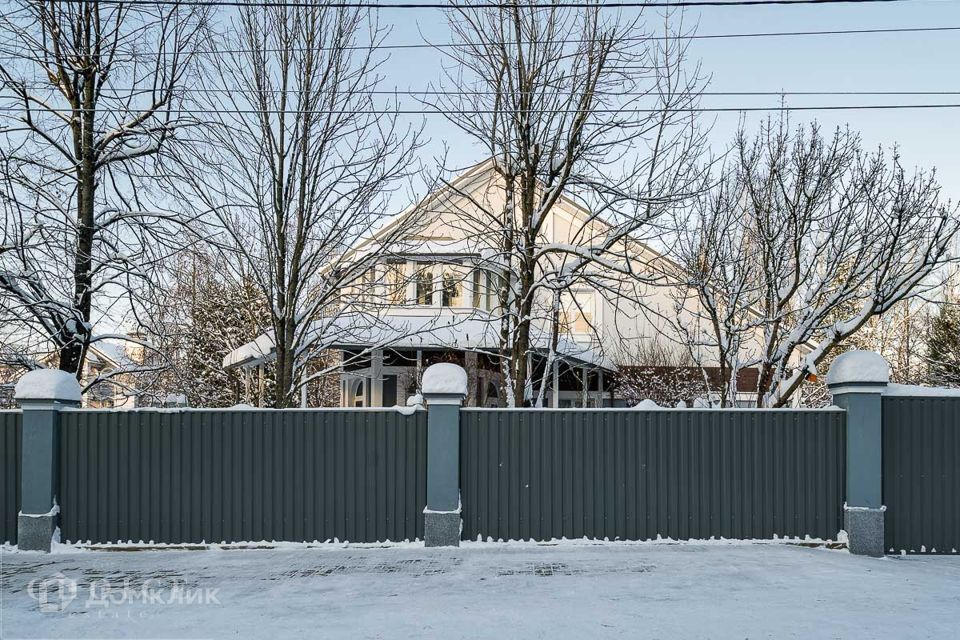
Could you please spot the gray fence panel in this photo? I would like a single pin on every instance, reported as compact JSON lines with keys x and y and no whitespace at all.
{"x":10,"y":430}
{"x":921,"y":474}
{"x":194,"y":476}
{"x":634,"y":475}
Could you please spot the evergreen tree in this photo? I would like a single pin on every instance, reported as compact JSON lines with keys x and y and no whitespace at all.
{"x":202,"y":315}
{"x":943,"y":347}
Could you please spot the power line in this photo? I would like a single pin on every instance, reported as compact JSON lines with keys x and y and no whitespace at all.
{"x":460,"y":45}
{"x":480,"y":5}
{"x":432,"y":92}
{"x":851,"y":107}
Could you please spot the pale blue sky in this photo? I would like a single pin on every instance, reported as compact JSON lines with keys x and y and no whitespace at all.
{"x":873,"y":62}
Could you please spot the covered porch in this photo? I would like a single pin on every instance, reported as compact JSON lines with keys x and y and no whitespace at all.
{"x":381,"y":360}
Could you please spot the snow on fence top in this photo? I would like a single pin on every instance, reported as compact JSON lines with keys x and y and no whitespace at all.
{"x":445,"y":378}
{"x":48,"y":384}
{"x":917,"y":391}
{"x":859,"y":366}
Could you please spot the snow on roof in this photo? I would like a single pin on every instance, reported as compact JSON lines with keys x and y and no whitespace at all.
{"x":48,"y":384}
{"x":859,"y":367}
{"x":444,"y":329}
{"x":444,"y":378}
{"x":114,"y":352}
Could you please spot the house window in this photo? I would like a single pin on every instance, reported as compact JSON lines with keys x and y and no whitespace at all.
{"x":452,"y":288}
{"x":366,"y":284}
{"x":577,"y":314}
{"x":424,"y":282}
{"x":484,"y":291}
{"x":395,"y":282}
{"x":359,"y":394}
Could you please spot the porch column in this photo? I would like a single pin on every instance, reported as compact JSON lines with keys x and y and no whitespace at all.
{"x":555,"y":391}
{"x":376,"y":378}
{"x":585,"y":386}
{"x":261,"y":385}
{"x":600,"y":387}
{"x":857,"y":381}
{"x":470,"y":359}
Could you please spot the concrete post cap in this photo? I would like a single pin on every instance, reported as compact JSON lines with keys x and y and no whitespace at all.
{"x":50,"y":385}
{"x":444,"y":379}
{"x":859,"y":368}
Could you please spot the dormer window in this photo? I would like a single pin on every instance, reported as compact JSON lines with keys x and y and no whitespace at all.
{"x":424,"y":284}
{"x":395,"y":282}
{"x":484,"y":291}
{"x":452,"y":292}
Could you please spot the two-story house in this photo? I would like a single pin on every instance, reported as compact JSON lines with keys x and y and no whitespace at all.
{"x":434,"y":297}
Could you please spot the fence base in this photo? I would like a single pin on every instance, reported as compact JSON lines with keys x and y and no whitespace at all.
{"x":441,"y":529}
{"x":864,"y":527}
{"x":34,"y":532}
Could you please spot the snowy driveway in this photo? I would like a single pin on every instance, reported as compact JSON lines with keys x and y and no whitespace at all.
{"x":480,"y":591}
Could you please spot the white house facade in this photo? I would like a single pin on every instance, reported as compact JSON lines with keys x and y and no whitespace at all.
{"x":434,"y":297}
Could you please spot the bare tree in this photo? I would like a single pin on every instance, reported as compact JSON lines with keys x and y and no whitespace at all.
{"x":575,"y":106}
{"x":89,"y":104}
{"x":296,"y":162}
{"x":803,"y":240}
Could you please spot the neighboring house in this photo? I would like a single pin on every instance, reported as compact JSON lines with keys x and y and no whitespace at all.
{"x":112,"y":366}
{"x":435,"y":300}
{"x":8,"y":379}
{"x":109,"y":371}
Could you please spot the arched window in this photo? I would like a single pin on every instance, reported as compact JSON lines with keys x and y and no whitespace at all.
{"x":357,"y":396}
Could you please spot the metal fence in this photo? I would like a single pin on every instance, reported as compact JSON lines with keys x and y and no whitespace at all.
{"x":635,"y":475}
{"x":921,"y":474}
{"x":10,"y":431}
{"x":227,"y":476}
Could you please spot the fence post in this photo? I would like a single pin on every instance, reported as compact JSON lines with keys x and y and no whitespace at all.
{"x":857,"y":381}
{"x":444,"y":387}
{"x":41,"y":394}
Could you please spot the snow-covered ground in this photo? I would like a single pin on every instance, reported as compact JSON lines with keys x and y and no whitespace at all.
{"x":480,"y":591}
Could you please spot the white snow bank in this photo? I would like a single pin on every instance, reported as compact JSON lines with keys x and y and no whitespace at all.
{"x":48,"y":384}
{"x":859,"y":366}
{"x":445,"y":378}
{"x":646,"y":404}
{"x":408,"y":410}
{"x":416,"y":400}
{"x":916,"y":390}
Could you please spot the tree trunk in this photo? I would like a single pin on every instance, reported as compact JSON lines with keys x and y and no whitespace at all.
{"x":76,"y":334}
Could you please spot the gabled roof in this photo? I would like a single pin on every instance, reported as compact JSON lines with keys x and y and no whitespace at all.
{"x":111,"y":354}
{"x":475,"y":175}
